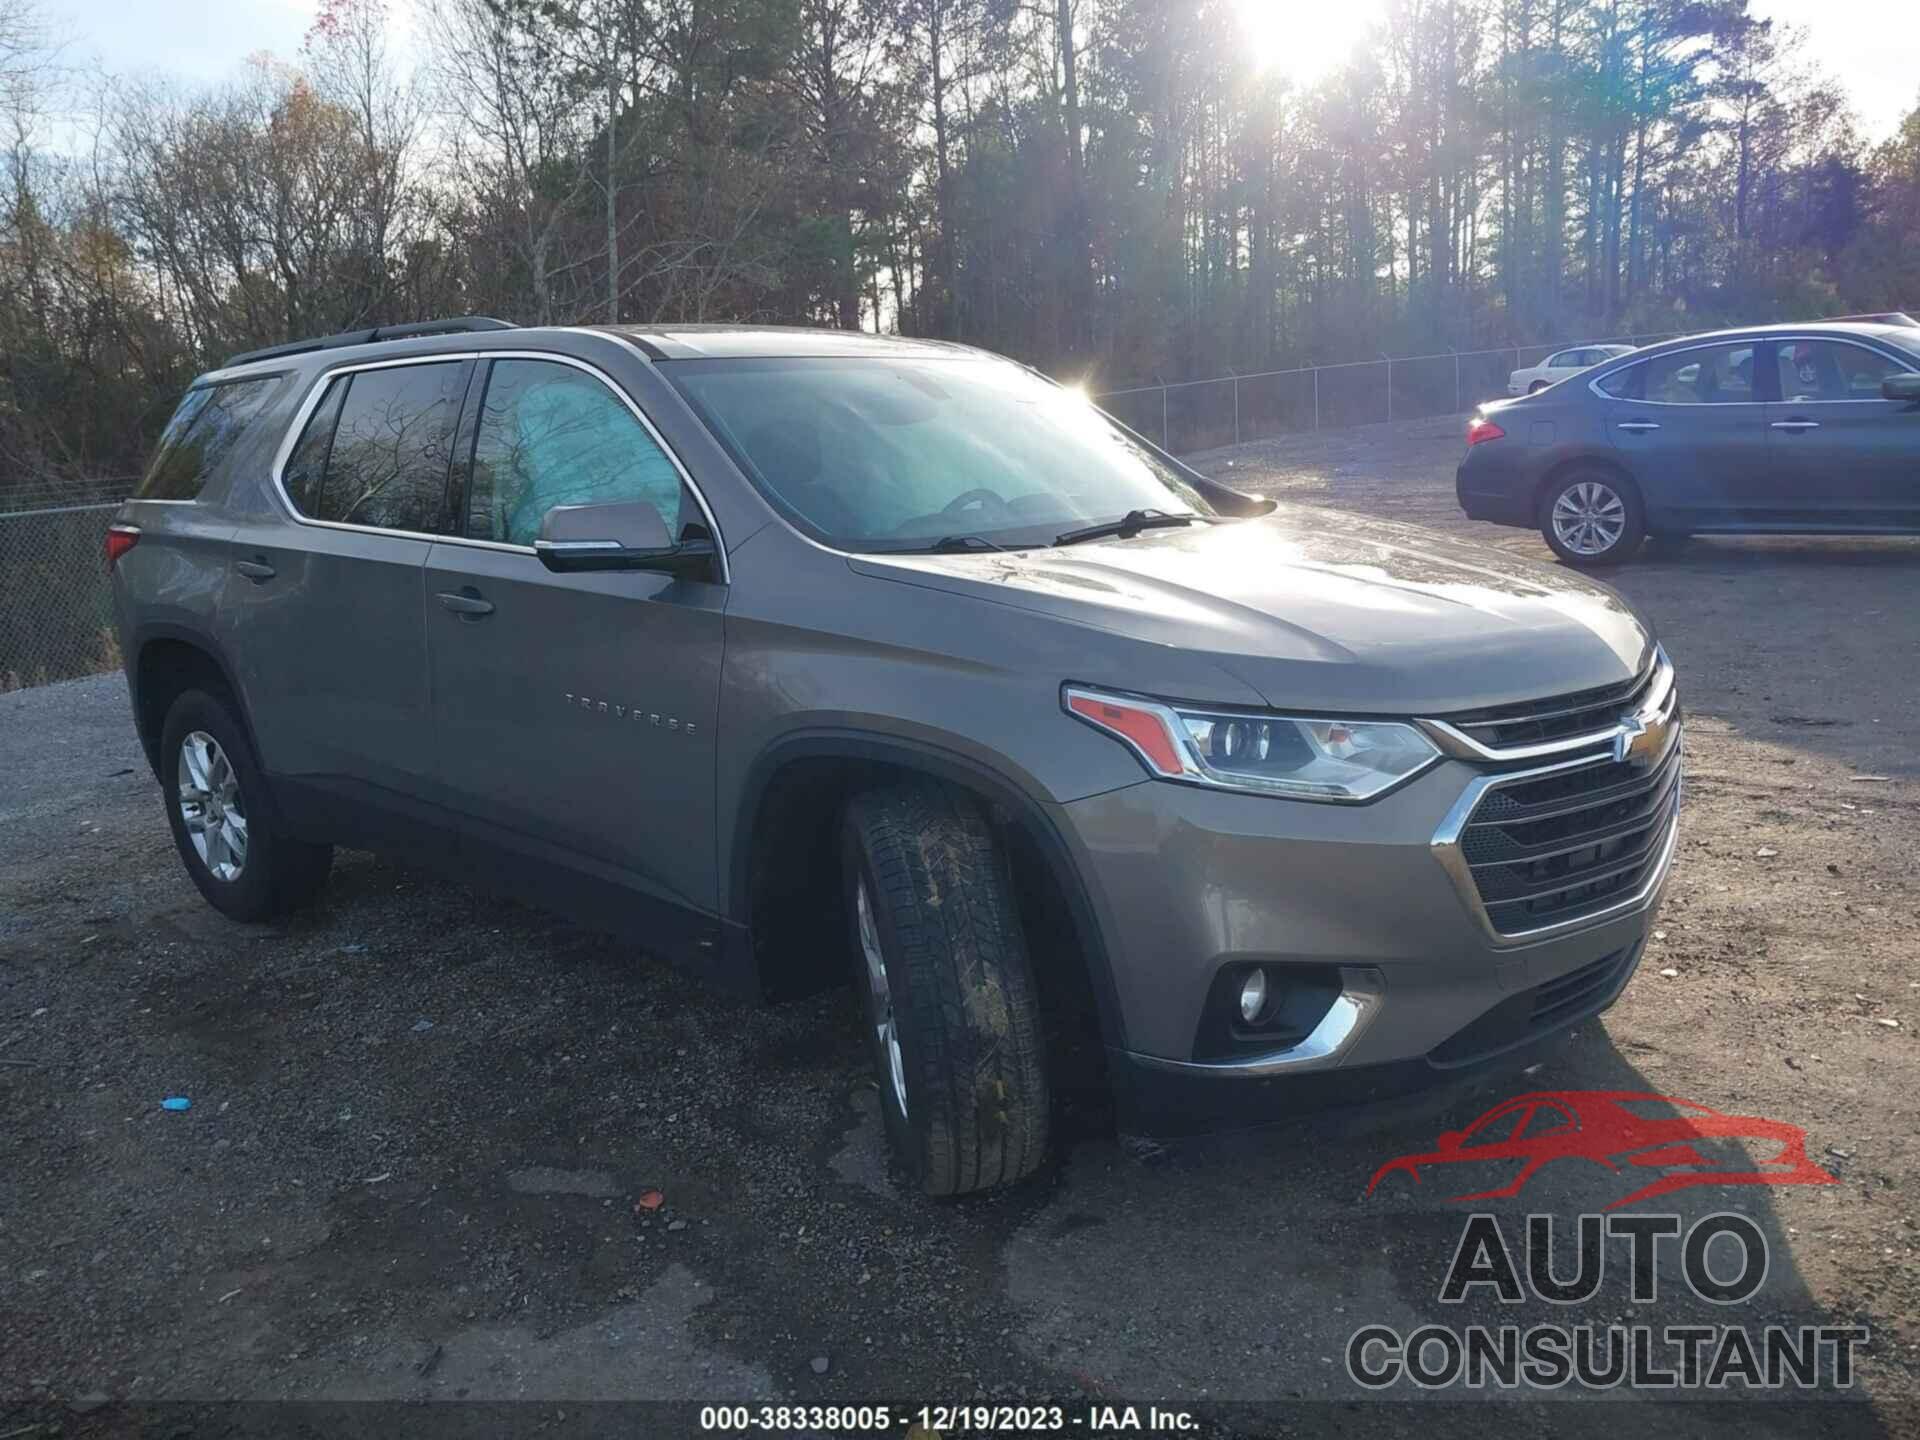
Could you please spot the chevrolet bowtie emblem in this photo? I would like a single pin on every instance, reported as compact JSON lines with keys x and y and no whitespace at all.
{"x":1638,"y":742}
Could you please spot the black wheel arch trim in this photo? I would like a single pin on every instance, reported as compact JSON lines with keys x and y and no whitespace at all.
{"x":926,"y":758}
{"x":158,"y":630}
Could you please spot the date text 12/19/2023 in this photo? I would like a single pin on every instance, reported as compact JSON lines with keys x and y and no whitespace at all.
{"x":940,"y":1420}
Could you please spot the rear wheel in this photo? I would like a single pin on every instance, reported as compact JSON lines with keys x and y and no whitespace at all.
{"x":1536,"y":387}
{"x":244,"y":865}
{"x":1592,"y":517}
{"x":952,"y":1019}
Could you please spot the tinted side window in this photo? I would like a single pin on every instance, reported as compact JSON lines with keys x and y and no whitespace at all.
{"x":1830,"y":370}
{"x":553,"y":435}
{"x":307,"y":465}
{"x":391,"y":434}
{"x":1715,"y":375}
{"x":209,"y":423}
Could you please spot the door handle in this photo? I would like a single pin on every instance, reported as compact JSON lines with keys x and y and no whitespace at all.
{"x":1796,"y":425}
{"x":255,"y":570}
{"x":1639,"y":427}
{"x":465,"y":603}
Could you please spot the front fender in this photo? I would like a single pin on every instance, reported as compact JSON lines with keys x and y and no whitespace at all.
{"x":943,"y":756}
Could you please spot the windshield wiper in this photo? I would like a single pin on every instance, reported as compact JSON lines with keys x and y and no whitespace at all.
{"x":1126,"y":527}
{"x":951,"y":544}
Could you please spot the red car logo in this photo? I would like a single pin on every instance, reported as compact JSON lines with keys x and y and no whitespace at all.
{"x":1624,"y":1131}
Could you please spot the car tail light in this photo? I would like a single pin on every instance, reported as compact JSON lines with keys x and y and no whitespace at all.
{"x":120,"y":539}
{"x":1480,"y":430}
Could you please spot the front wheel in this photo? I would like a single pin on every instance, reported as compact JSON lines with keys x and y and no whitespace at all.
{"x":1592,"y":517}
{"x":952,"y":1017}
{"x":244,"y":865}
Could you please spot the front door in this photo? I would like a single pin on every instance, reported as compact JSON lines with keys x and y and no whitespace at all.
{"x":1692,"y":427}
{"x":1844,"y":456}
{"x":575,"y":711}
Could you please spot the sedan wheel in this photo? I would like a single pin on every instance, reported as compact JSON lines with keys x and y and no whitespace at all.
{"x":1589,"y":518}
{"x":1593,"y":517}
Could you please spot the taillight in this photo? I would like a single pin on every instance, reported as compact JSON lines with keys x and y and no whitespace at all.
{"x":120,"y":539}
{"x":1480,"y":429}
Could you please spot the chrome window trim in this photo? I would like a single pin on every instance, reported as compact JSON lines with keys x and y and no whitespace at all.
{"x":1447,"y":850}
{"x":1785,"y":338}
{"x":1658,"y":705}
{"x":327,"y":376}
{"x":1362,"y":993}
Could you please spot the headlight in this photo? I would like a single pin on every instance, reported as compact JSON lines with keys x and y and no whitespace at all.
{"x":1267,"y":754}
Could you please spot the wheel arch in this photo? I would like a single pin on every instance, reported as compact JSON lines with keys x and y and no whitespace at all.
{"x":167,"y":660}
{"x":794,"y":797}
{"x":1582,"y":460}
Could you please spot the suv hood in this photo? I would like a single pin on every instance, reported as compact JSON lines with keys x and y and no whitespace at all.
{"x":1317,"y":610}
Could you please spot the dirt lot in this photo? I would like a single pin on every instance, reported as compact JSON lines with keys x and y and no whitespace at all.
{"x":422,"y":1117}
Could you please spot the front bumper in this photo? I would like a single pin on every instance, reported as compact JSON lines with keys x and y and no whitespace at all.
{"x":1190,"y":881}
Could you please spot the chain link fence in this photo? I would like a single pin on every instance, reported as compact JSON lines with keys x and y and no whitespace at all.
{"x":56,"y":610}
{"x":1232,"y":409}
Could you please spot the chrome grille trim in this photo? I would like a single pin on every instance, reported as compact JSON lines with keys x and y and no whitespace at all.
{"x":1648,"y":700}
{"x":1449,"y":846}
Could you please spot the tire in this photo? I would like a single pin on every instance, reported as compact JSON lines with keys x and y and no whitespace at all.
{"x":269,"y":873}
{"x":1610,"y":503}
{"x":1536,"y":387}
{"x":953,"y":1019}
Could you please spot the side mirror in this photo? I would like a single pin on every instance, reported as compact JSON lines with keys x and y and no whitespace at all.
{"x":1901,"y":387}
{"x":1450,"y":1139}
{"x":622,"y":535}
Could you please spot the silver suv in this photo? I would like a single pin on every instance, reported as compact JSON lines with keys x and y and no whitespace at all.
{"x":796,"y":653}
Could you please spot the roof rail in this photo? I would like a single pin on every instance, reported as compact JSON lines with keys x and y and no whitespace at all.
{"x":461,"y":326}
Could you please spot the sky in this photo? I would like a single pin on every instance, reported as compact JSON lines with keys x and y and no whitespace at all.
{"x":1871,"y":45}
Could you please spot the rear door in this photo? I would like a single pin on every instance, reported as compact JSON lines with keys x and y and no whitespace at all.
{"x":1692,"y":427}
{"x":576,"y":711}
{"x":324,"y":613}
{"x":1844,"y":457}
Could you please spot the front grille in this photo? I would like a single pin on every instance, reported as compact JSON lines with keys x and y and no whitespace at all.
{"x":1534,"y":722}
{"x":1562,"y":846}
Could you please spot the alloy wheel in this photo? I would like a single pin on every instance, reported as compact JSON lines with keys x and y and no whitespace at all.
{"x":885,"y":1028}
{"x":1589,"y":517}
{"x":211,"y":806}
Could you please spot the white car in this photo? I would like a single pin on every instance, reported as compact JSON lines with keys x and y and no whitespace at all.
{"x":1559,"y":365}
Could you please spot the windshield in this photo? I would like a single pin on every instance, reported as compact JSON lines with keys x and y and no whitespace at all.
{"x":881,"y":454}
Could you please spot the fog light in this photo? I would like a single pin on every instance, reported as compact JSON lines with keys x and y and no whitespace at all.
{"x":1253,"y":995}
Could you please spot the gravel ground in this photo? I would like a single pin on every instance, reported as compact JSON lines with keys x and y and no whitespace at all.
{"x":423,"y":1118}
